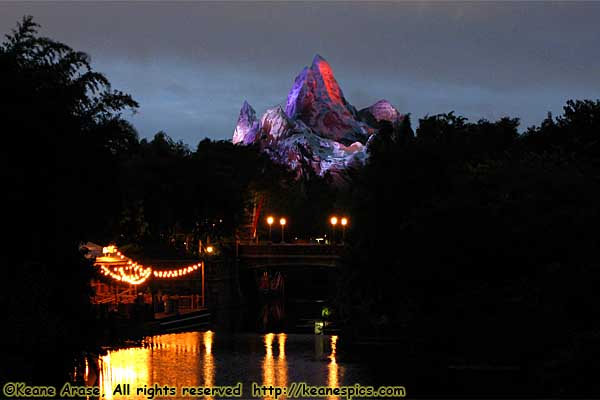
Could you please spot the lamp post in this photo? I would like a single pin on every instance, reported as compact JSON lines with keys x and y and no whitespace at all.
{"x":282,"y":222}
{"x":344,"y":222}
{"x":334,"y":222}
{"x":270,"y":222}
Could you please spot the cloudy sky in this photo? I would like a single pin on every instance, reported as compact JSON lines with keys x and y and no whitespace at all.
{"x":191,"y":65}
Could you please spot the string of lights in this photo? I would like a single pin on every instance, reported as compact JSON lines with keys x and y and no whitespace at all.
{"x":174,"y":273}
{"x":135,"y":273}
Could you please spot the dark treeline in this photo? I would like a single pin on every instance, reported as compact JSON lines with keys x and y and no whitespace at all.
{"x":167,"y":195}
{"x":479,"y":245}
{"x":473,"y":242}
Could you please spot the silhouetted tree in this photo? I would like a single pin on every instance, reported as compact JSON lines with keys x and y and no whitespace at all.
{"x":471,"y":234}
{"x":63,"y":132}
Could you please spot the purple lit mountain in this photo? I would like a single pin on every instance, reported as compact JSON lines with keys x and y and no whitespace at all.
{"x":319,"y":131}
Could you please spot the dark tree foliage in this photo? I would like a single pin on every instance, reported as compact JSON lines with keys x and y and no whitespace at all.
{"x":172,"y":195}
{"x":62,"y":132}
{"x":153,"y":182}
{"x":478,"y":246}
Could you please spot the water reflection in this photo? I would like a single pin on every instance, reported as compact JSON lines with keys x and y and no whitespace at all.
{"x":332,"y":368}
{"x":158,"y":361}
{"x":281,"y":338}
{"x":86,"y":370}
{"x":193,"y":358}
{"x":275,"y":371}
{"x":272,"y":314}
{"x":209,"y":362}
{"x":123,"y":366}
{"x":281,"y":363}
{"x":86,"y":375}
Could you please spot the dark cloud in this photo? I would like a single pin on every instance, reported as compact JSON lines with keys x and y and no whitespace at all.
{"x":191,"y":64}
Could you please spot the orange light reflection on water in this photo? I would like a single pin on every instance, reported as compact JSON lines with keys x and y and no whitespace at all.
{"x":158,"y":361}
{"x":281,"y":363}
{"x":121,"y":367}
{"x":275,"y":371}
{"x":332,"y":368}
{"x":209,"y":362}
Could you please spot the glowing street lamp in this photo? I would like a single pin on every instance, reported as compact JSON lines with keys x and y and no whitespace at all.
{"x":270,"y":221}
{"x":333,"y":222}
{"x":282,"y":222}
{"x":344,"y":222}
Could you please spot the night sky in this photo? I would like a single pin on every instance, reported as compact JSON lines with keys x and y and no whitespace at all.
{"x":191,"y":65}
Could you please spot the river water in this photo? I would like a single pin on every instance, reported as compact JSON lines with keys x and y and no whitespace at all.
{"x":208,"y":359}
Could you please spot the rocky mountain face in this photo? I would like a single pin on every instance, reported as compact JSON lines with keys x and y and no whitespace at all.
{"x":319,"y":131}
{"x":247,"y":125}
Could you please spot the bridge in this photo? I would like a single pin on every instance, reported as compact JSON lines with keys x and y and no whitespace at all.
{"x":261,"y":256}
